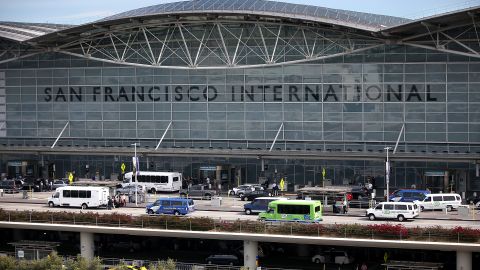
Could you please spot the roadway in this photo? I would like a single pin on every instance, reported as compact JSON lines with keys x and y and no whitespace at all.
{"x":232,"y":209}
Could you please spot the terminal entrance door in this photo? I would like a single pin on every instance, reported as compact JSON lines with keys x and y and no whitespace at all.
{"x":220,"y":176}
{"x":434,"y":181}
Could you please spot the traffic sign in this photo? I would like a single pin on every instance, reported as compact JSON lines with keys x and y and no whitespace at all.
{"x":70,"y":178}
{"x":123,"y":167}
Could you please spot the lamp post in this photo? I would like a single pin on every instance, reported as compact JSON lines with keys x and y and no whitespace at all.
{"x":387,"y":172}
{"x":135,"y":163}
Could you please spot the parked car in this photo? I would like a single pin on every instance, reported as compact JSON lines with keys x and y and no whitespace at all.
{"x":38,"y":184}
{"x":222,"y":260}
{"x":249,"y":195}
{"x":59,"y":183}
{"x":198,"y":191}
{"x":408,"y":195}
{"x":393,"y":210}
{"x":333,"y":256}
{"x":129,"y":189}
{"x":475,"y":200}
{"x":242,"y":188}
{"x":260,"y":204}
{"x":10,"y":186}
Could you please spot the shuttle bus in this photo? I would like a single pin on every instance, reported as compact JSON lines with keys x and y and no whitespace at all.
{"x":156,"y":181}
{"x":84,"y":197}
{"x":293,"y":210}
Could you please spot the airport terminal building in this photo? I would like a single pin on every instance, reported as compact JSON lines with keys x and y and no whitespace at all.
{"x":246,"y":90}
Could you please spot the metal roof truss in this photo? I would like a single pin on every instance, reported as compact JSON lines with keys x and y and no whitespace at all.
{"x":216,"y":44}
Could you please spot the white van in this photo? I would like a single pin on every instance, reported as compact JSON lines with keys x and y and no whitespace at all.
{"x":393,"y":210}
{"x":440,"y":201}
{"x":83,"y":197}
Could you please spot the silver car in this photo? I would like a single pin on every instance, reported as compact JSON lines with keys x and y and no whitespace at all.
{"x":129,"y":189}
{"x":59,"y":183}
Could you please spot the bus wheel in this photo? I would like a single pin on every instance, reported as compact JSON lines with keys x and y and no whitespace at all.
{"x":50,"y":204}
{"x":153,"y":190}
{"x":371,"y":217}
{"x":84,"y":206}
{"x":176,"y":213}
{"x":401,"y":218}
{"x":150,"y":211}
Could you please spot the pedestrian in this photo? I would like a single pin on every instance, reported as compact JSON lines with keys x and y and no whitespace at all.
{"x":109,"y":203}
{"x":344,"y":205}
{"x":208,"y":183}
{"x":275,"y":189}
{"x":265,"y":184}
{"x":364,"y":266}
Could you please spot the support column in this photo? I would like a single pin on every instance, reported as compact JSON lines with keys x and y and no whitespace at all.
{"x":303,"y":250}
{"x":464,"y":260}
{"x":86,"y":245}
{"x":250,"y":253}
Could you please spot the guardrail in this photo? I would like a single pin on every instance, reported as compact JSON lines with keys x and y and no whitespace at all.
{"x":178,"y":265}
{"x":165,"y":222}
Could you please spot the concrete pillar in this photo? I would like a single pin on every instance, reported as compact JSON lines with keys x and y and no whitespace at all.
{"x":86,"y":245}
{"x":464,"y":260}
{"x":250,"y":253}
{"x":303,"y":250}
{"x":18,"y":235}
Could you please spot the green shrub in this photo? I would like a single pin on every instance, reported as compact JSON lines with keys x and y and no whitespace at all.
{"x":7,"y":263}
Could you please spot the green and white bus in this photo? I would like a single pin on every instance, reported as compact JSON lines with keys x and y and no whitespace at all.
{"x":293,"y":210}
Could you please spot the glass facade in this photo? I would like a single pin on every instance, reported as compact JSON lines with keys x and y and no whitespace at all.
{"x":353,"y":103}
{"x":340,"y":102}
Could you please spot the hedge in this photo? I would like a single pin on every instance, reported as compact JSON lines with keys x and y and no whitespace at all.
{"x":374,"y":231}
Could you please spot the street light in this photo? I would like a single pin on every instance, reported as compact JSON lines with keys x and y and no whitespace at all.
{"x":135,"y":163}
{"x":387,"y":173}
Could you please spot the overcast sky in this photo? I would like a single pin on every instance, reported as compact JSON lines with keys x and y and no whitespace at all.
{"x":84,"y":11}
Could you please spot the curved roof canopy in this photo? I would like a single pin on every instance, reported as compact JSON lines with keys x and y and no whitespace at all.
{"x":366,"y":21}
{"x":210,"y":34}
{"x":24,"y":31}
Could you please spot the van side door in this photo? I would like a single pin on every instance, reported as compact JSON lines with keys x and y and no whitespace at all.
{"x":165,"y":207}
{"x":401,"y":209}
{"x":257,"y":205}
{"x":438,"y":202}
{"x":388,"y":211}
{"x":427,"y":202}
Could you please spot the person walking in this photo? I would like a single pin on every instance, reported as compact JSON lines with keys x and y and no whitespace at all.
{"x":344,"y":205}
{"x":109,"y":203}
{"x":275,"y":189}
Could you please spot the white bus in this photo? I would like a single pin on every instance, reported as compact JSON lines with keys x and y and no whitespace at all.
{"x":84,"y":197}
{"x":156,"y":181}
